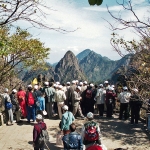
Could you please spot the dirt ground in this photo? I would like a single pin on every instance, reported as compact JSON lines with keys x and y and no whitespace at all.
{"x":115,"y":134}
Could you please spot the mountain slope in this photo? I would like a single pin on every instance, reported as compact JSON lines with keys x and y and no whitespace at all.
{"x":83,"y":54}
{"x":68,"y":68}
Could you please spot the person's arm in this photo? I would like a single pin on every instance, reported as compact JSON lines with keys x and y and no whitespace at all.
{"x":62,"y":123}
{"x":80,"y":143}
{"x":34,"y":135}
{"x":43,"y":104}
{"x":64,"y":96}
{"x":83,"y":132}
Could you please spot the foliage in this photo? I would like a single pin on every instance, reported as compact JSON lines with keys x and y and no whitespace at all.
{"x":137,"y":75}
{"x":18,"y":48}
{"x":95,"y":2}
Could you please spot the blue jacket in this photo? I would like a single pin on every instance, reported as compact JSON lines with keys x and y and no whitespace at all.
{"x":72,"y":141}
{"x":67,"y":119}
{"x":42,"y":103}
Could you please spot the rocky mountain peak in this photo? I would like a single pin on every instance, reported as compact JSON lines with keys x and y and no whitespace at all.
{"x":68,"y":68}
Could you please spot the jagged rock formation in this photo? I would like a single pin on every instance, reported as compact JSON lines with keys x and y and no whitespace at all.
{"x":68,"y":68}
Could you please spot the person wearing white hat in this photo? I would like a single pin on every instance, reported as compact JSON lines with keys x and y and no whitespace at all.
{"x":135,"y":105}
{"x":49,"y":99}
{"x":15,"y":108}
{"x":124,"y":98}
{"x":60,"y":97}
{"x":110,"y":101}
{"x":37,"y":129}
{"x":76,"y":102}
{"x":7,"y":104}
{"x":89,"y":99}
{"x":91,"y":128}
{"x":100,"y":100}
{"x":66,"y":121}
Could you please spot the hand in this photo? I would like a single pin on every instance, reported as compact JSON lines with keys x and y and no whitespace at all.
{"x":80,"y":98}
{"x":33,"y":144}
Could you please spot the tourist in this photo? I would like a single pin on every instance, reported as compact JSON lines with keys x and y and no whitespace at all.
{"x":135,"y":105}
{"x":36,"y":132}
{"x":100,"y":100}
{"x":30,"y":101}
{"x":15,"y":108}
{"x":67,"y":119}
{"x":124,"y":98}
{"x":89,"y":99}
{"x":60,"y":97}
{"x":22,"y":103}
{"x":76,"y":102}
{"x":91,"y":132}
{"x":66,"y":93}
{"x":8,"y":107}
{"x":72,"y":140}
{"x":110,"y":100}
{"x":49,"y":98}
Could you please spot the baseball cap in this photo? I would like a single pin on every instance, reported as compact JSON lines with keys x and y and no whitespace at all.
{"x":65,"y":107}
{"x":90,"y":115}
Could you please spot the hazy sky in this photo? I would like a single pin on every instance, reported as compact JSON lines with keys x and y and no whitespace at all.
{"x":93,"y":32}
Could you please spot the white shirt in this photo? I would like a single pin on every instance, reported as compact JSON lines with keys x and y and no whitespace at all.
{"x":100,"y":96}
{"x":124,"y":97}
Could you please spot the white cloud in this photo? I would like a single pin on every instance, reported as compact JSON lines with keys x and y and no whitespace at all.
{"x":104,"y":9}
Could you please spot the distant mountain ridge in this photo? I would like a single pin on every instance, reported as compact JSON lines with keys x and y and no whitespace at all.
{"x":87,"y":65}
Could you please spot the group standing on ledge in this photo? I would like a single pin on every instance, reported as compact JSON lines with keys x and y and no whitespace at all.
{"x":67,"y":100}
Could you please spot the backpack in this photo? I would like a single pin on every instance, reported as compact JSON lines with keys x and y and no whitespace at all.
{"x":88,"y":94}
{"x":43,"y":136}
{"x":91,"y":133}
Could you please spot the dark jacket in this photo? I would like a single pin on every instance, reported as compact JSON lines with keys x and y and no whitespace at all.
{"x":37,"y":130}
{"x":72,"y":141}
{"x":135,"y":101}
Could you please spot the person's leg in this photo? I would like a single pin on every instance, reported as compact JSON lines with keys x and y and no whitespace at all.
{"x":101,"y":109}
{"x":75,"y":108}
{"x":132,"y":115}
{"x":17,"y":115}
{"x":51,"y":108}
{"x":33,"y":113}
{"x":10,"y":115}
{"x":121,"y":111}
{"x":80,"y":111}
{"x":48,"y":110}
{"x":137,"y":114}
{"x":107,"y":111}
{"x":59,"y":105}
{"x":126,"y":114}
{"x":28,"y":113}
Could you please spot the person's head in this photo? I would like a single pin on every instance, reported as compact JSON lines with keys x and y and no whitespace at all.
{"x":72,"y":127}
{"x":65,"y":108}
{"x":39,"y":118}
{"x":73,"y":82}
{"x":90,"y":116}
{"x":30,"y":87}
{"x":106,"y":83}
{"x":101,"y":85}
{"x":6,"y":90}
{"x":95,"y":86}
{"x":51,"y":84}
{"x":46,"y":83}
{"x":20,"y":88}
{"x":135,"y":91}
{"x":111,"y":89}
{"x":125,"y":88}
{"x":81,"y":84}
{"x":60,"y":87}
{"x":36,"y":87}
{"x":91,"y":85}
{"x":14,"y":91}
{"x":85,"y":83}
{"x":68,"y":83}
{"x":78,"y":89}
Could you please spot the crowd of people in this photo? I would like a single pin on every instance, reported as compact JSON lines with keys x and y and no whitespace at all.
{"x":69,"y":101}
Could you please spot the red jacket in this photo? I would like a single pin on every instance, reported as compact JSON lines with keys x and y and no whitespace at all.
{"x":110,"y":95}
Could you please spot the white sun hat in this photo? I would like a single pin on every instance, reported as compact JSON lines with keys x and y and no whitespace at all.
{"x":135,"y":90}
{"x":46,"y":83}
{"x":78,"y":87}
{"x":68,"y":83}
{"x":111,"y":88}
{"x":106,"y":82}
{"x":73,"y":81}
{"x":14,"y":90}
{"x":30,"y":85}
{"x":39,"y":117}
{"x":85,"y":82}
{"x":44,"y":113}
{"x":91,"y":85}
{"x":81,"y":83}
{"x":90,"y":115}
{"x":101,"y":85}
{"x":125,"y":88}
{"x":36,"y":87}
{"x":65,"y":107}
